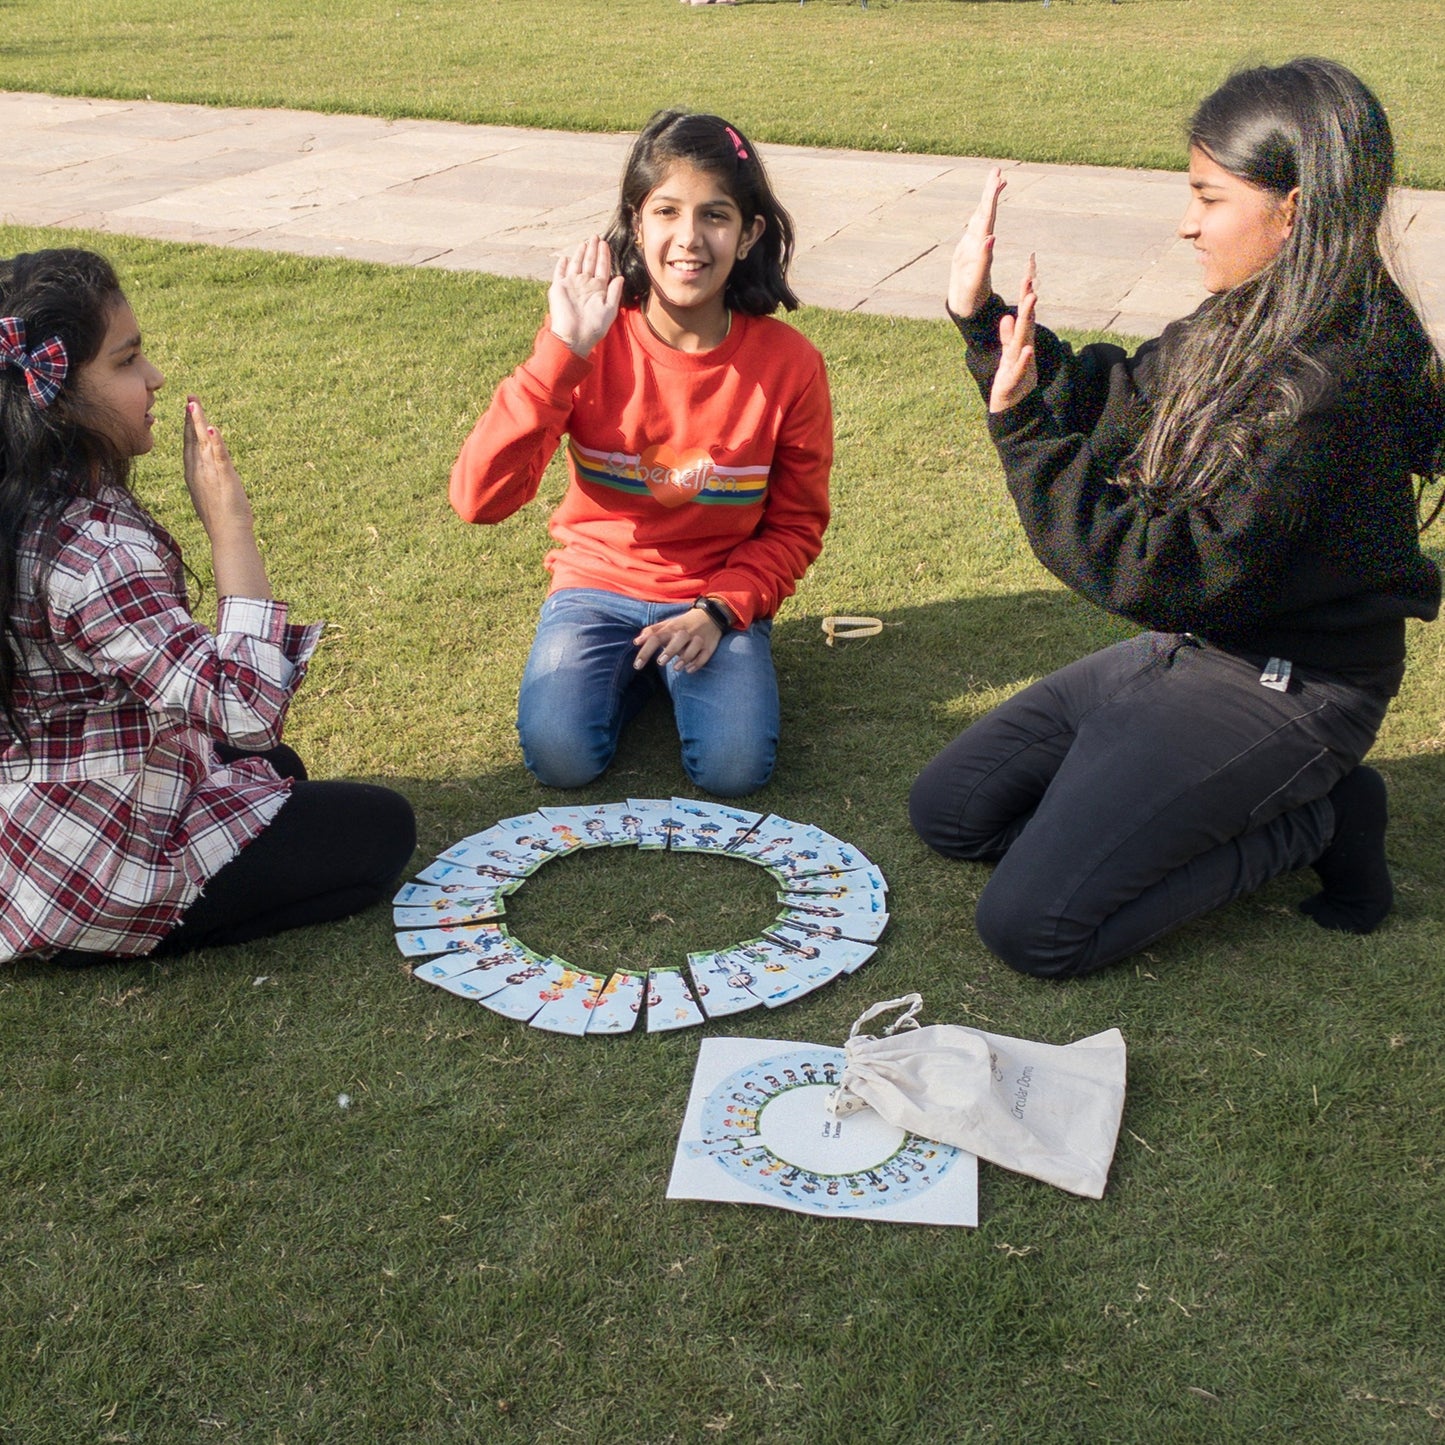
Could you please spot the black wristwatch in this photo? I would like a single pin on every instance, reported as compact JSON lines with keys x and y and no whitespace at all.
{"x":717,"y":612}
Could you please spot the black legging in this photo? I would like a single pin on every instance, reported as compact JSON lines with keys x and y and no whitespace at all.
{"x":333,"y":849}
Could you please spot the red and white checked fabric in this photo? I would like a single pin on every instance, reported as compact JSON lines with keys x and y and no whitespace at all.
{"x":44,"y":368}
{"x":120,"y":811}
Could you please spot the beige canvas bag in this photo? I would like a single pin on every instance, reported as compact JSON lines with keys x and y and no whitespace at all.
{"x":1047,"y":1110}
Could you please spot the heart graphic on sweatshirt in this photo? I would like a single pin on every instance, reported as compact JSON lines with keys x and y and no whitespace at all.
{"x":673,"y":477}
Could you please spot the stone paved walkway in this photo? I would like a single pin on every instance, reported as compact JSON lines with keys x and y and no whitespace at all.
{"x":875,"y":231}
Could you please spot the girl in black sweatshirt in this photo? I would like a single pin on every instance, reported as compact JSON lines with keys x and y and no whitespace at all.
{"x":1247,"y":488}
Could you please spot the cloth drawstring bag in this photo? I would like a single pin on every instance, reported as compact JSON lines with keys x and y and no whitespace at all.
{"x":1047,"y":1110}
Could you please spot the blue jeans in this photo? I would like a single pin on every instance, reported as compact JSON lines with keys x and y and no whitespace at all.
{"x":580,"y":688}
{"x":1136,"y":789}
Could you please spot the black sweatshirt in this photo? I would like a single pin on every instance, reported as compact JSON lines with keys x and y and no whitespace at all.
{"x":1311,"y":554}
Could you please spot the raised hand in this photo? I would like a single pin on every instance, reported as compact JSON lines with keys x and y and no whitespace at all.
{"x":584,"y":296}
{"x":222,"y":505}
{"x":970,"y":281}
{"x":216,"y":491}
{"x":1017,"y":373}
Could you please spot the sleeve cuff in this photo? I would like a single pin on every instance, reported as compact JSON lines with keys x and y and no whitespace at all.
{"x":742,"y":605}
{"x":252,"y":617}
{"x":980,"y":329}
{"x":555,"y":364}
{"x":1004,"y":424}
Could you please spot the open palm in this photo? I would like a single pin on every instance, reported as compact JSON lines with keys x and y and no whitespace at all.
{"x":584,"y":296}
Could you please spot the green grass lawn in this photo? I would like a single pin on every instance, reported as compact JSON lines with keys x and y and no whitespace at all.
{"x":1084,"y":81}
{"x":199,"y":1244}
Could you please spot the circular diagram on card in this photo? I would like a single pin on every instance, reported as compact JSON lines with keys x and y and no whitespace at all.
{"x":767,"y":1126}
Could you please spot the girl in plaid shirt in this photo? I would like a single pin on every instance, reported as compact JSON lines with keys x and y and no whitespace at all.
{"x":147,"y":805}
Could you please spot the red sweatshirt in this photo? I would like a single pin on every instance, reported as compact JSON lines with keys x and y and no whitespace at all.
{"x":692,"y":473}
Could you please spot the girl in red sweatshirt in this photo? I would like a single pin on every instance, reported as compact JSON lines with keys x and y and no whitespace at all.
{"x":700,"y":440}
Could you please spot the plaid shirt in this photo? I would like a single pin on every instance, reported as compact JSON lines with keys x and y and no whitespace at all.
{"x":120,"y":811}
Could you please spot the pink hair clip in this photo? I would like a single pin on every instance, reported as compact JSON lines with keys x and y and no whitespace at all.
{"x":737,"y":141}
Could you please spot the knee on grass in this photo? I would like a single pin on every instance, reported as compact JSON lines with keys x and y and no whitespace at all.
{"x":920,"y":810}
{"x":563,"y":756}
{"x":394,"y":822}
{"x":945,"y":832}
{"x":563,"y":772}
{"x":926,"y":816}
{"x":729,"y":772}
{"x":1020,"y":935}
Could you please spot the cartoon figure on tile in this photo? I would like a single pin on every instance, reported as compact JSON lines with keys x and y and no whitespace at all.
{"x":700,"y":443}
{"x":1247,"y":488}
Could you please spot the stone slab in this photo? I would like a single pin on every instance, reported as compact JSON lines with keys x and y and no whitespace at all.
{"x":875,"y":231}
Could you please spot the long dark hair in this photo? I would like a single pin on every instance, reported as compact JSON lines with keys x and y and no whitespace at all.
{"x":758,"y":283}
{"x":48,"y":454}
{"x":1241,"y":366}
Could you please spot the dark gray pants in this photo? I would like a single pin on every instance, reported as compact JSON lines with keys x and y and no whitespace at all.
{"x":1135,"y":789}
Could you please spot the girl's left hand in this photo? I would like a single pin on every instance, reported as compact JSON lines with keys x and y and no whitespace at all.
{"x":1018,"y":372}
{"x":685,"y":642}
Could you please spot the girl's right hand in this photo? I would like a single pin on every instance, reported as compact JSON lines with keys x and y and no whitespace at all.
{"x":216,"y":491}
{"x":970,"y":280}
{"x":223,"y":507}
{"x":584,"y":297}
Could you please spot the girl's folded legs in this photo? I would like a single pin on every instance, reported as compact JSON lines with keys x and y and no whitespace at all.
{"x":580,"y":689}
{"x":334,"y":849}
{"x":1151,"y":783}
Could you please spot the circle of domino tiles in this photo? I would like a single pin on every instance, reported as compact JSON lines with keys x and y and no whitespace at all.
{"x":834,"y":907}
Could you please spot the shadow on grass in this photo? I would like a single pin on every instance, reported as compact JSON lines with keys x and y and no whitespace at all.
{"x":860,"y":719}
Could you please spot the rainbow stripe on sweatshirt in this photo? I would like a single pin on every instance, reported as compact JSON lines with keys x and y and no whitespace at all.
{"x":670,"y":476}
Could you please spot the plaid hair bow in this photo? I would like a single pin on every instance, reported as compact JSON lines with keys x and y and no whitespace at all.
{"x":44,"y":368}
